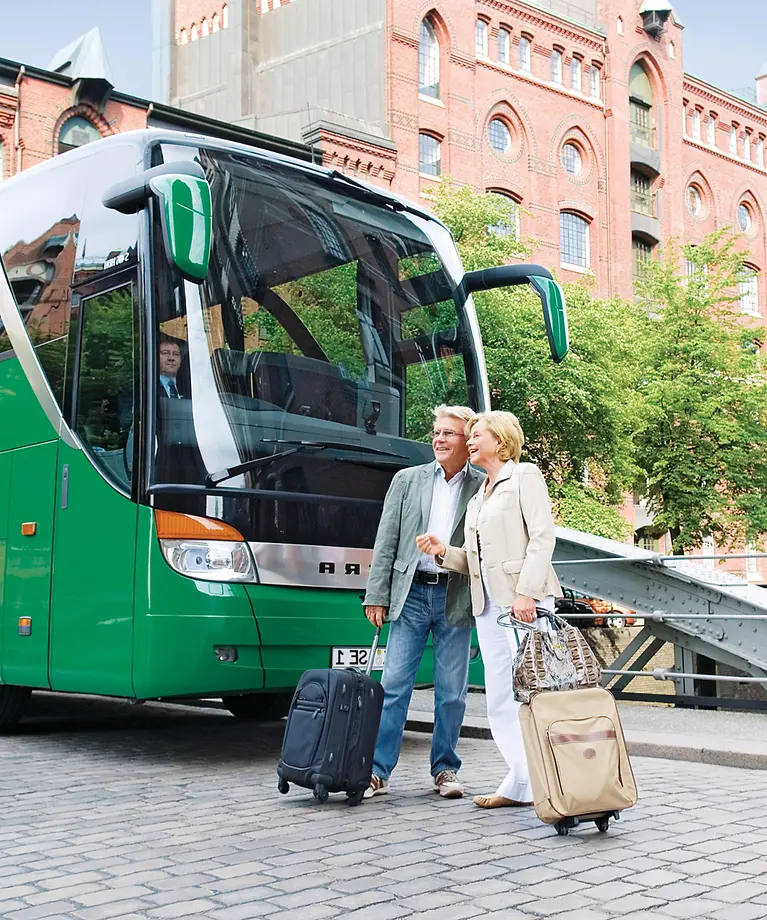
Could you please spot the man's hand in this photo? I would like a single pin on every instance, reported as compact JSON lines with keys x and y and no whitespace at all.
{"x":523,"y":608}
{"x":376,"y":614}
{"x":430,"y":545}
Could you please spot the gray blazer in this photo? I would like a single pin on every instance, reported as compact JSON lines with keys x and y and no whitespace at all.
{"x":395,"y":556}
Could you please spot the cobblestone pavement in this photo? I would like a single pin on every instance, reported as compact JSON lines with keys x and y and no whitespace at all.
{"x":110,"y":811}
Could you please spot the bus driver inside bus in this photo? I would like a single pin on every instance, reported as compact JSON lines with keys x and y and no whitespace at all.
{"x":170,"y":362}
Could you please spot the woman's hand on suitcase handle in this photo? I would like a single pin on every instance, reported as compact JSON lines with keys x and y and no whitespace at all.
{"x":430,"y":545}
{"x":376,"y":614}
{"x":523,"y":608}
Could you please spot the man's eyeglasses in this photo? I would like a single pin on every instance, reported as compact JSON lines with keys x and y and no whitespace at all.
{"x":447,"y":433}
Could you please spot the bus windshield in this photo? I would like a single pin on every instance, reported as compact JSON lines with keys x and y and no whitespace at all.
{"x":301,"y":375}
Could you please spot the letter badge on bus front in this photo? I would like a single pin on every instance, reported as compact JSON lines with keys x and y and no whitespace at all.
{"x":327,"y":568}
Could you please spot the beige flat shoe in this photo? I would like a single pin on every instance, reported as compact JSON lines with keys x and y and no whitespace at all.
{"x":497,"y":801}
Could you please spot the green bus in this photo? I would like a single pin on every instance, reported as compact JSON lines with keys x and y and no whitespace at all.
{"x":213,"y":359}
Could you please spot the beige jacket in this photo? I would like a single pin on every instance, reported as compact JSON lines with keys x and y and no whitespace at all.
{"x":516,"y":531}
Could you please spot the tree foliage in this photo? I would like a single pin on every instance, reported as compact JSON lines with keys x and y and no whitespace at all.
{"x":702,"y":441}
{"x":579,"y":417}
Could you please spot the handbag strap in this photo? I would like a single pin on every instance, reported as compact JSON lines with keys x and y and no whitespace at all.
{"x":509,"y":622}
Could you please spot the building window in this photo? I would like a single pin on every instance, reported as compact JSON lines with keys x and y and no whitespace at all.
{"x":183,"y":38}
{"x":429,"y":155}
{"x":640,"y":124}
{"x":77,"y":132}
{"x":480,"y":38}
{"x":215,"y":22}
{"x":204,"y":28}
{"x":694,"y":200}
{"x":696,"y":124}
{"x":671,"y":50}
{"x":760,"y":152}
{"x":428,"y":61}
{"x":733,"y":140}
{"x":751,"y":561}
{"x":224,"y":16}
{"x":747,"y":147}
{"x":711,"y":138}
{"x":556,"y":66}
{"x":572,"y":159}
{"x":748,"y":291}
{"x":744,"y":218}
{"x":512,"y":226}
{"x":499,"y":135}
{"x":641,"y":253}
{"x":619,"y":25}
{"x":504,"y":46}
{"x":525,"y":47}
{"x":641,"y":194}
{"x":194,"y":34}
{"x":574,"y":240}
{"x":576,"y":69}
{"x":594,"y":81}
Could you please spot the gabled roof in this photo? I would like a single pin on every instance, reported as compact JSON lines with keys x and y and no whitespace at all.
{"x":83,"y":59}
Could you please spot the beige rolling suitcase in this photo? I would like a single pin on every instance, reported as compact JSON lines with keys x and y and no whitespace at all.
{"x":576,"y":752}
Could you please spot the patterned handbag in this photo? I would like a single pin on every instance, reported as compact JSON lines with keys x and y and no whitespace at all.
{"x":558,"y":658}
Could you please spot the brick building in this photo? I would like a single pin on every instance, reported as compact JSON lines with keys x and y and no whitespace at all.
{"x":580,"y":110}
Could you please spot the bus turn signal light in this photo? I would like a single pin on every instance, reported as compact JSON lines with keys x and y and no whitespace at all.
{"x":172,"y":525}
{"x":29,"y":529}
{"x":25,"y":626}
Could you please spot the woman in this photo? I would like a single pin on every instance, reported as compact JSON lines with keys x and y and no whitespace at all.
{"x":509,"y":539}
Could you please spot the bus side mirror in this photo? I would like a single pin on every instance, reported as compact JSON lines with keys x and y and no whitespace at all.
{"x":541,"y":280}
{"x":187,"y":221}
{"x":186,"y":212}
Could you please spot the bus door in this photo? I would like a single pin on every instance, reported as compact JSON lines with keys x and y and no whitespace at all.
{"x":96,"y":518}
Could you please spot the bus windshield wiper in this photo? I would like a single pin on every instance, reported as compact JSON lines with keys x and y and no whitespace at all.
{"x":214,"y":479}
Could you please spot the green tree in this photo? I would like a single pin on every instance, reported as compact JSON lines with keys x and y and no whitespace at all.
{"x":579,"y":417}
{"x":702,"y":441}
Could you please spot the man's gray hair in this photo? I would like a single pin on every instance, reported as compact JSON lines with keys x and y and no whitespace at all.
{"x":462,"y":412}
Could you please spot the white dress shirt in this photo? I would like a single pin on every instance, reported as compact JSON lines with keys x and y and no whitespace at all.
{"x":444,"y":501}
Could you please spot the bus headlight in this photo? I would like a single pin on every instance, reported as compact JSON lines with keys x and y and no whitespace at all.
{"x":211,"y":560}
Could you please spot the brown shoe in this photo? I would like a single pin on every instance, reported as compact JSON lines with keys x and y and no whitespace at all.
{"x":448,"y":785}
{"x":498,"y":801}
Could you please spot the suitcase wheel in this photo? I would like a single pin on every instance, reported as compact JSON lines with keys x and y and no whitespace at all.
{"x":283,"y":786}
{"x":355,"y":797}
{"x":562,"y":829}
{"x":602,"y":824}
{"x":320,"y":793}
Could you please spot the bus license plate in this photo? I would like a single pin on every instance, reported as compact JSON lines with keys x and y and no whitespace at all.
{"x":356,"y":657}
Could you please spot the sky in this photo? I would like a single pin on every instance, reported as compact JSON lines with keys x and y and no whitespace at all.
{"x":726,"y":51}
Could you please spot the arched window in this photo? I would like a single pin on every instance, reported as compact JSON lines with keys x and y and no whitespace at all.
{"x":640,"y":106}
{"x":572,"y":159}
{"x":428,"y":61}
{"x":204,"y":26}
{"x":576,"y":68}
{"x":525,"y":58}
{"x":194,"y":35}
{"x":510,"y":227}
{"x":429,"y":155}
{"x":556,"y":66}
{"x":480,"y":35}
{"x":711,"y":130}
{"x":183,"y":37}
{"x":696,"y":124}
{"x":77,"y":132}
{"x":504,"y":46}
{"x":224,"y":16}
{"x":215,"y":23}
{"x":574,"y":240}
{"x":748,"y":291}
{"x":745,"y":220}
{"x":595,"y":82}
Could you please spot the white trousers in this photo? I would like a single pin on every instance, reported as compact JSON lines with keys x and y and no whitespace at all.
{"x":499,"y":646}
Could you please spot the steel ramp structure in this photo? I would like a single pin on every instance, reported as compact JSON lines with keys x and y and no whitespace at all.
{"x":699,"y":608}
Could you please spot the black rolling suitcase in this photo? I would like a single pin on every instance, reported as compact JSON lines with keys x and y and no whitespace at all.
{"x":331,"y":732}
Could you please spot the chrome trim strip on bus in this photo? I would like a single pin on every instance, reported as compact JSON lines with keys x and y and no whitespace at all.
{"x":25,"y":352}
{"x":301,"y":566}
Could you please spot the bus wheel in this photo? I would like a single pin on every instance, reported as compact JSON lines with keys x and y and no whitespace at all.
{"x":13,"y":703}
{"x":263,"y":707}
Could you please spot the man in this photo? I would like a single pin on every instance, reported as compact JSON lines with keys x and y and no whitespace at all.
{"x":170,"y":362}
{"x":420,"y":599}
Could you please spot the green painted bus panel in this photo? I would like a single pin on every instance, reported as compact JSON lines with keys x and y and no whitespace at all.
{"x":6,"y":460}
{"x":93,"y":578}
{"x":28,"y":565}
{"x":179,"y":624}
{"x":300,"y":626}
{"x":24,"y":421}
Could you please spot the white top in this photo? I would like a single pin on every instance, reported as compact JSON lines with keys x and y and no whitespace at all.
{"x":444,"y":501}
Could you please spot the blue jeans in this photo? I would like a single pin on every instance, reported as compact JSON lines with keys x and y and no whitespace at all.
{"x":423,"y":612}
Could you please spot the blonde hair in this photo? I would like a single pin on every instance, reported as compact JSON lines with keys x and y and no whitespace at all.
{"x":462,"y":412}
{"x":506,"y":428}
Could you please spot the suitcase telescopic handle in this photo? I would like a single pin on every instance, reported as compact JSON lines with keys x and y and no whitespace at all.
{"x":373,"y":650}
